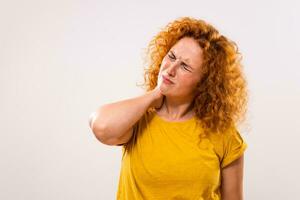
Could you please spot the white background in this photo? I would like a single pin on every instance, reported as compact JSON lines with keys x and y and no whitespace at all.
{"x":60,"y":60}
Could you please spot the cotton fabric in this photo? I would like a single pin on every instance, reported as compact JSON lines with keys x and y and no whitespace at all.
{"x":169,"y":162}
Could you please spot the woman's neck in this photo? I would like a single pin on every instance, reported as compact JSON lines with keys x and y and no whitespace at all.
{"x":176,"y":110}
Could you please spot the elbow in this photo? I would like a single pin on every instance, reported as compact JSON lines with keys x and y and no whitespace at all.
{"x":103,"y":136}
{"x":97,"y":128}
{"x":92,"y":120}
{"x":100,"y":132}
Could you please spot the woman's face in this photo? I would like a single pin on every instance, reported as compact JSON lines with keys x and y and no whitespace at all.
{"x":181,"y":65}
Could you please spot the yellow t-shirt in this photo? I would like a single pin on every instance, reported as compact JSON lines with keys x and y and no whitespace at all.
{"x":168,"y":163}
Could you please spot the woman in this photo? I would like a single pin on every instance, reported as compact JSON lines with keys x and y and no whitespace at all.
{"x":180,"y":139}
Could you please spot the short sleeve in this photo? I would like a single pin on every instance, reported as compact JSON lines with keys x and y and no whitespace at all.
{"x":233,"y":147}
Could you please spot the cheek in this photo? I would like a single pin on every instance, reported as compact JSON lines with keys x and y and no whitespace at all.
{"x":187,"y":83}
{"x":163,"y":65}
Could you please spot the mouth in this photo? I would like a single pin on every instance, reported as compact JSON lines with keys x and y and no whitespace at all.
{"x":166,"y":80}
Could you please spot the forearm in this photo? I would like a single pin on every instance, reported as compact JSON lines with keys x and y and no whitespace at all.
{"x":114,"y":119}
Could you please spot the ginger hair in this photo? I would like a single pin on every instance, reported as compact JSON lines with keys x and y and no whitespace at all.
{"x":222,"y":97}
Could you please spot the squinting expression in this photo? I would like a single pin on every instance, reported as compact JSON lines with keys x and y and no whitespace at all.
{"x":182,"y":66}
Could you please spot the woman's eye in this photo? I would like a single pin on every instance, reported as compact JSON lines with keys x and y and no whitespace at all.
{"x":170,"y":56}
{"x":185,"y":67}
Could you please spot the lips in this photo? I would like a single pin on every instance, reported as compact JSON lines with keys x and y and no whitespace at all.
{"x":168,"y":80}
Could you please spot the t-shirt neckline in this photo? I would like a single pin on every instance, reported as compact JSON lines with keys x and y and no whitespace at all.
{"x":173,"y":122}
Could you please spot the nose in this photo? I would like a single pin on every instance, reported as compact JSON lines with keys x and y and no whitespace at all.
{"x":172,"y":69}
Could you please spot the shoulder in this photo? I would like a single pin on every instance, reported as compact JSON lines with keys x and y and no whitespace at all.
{"x":228,"y":145}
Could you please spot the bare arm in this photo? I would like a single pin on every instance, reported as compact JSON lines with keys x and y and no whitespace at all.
{"x":112,"y":123}
{"x":232,"y":180}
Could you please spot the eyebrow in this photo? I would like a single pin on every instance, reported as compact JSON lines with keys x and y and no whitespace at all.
{"x":186,"y":60}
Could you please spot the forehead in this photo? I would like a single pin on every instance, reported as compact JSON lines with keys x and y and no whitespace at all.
{"x":187,"y":49}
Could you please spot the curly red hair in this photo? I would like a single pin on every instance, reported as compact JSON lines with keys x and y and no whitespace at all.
{"x":222,"y":99}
